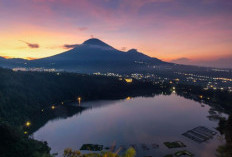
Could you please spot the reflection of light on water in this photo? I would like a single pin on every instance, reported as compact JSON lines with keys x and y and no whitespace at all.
{"x":79,"y":100}
{"x":173,"y":89}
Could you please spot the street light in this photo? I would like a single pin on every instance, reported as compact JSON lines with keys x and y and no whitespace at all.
{"x":28,"y":123}
{"x":79,"y":100}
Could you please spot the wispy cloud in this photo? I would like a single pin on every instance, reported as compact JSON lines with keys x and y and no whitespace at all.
{"x":182,"y":60}
{"x":31,"y":45}
{"x":68,"y":46}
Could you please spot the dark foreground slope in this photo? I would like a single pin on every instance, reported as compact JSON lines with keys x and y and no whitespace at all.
{"x":13,"y":143}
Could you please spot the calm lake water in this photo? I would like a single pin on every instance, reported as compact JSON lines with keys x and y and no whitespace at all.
{"x":141,"y":120}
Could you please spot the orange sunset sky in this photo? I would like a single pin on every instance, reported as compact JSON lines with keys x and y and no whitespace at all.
{"x":200,"y":30}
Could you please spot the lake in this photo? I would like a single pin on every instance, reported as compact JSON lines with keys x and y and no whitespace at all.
{"x":140,"y":120}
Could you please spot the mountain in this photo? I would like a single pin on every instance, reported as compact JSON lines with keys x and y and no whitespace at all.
{"x":94,"y":55}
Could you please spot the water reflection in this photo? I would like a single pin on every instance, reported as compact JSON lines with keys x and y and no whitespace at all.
{"x":142,"y":120}
{"x":49,"y":114}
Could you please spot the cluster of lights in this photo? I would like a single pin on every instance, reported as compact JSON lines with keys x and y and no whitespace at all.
{"x":108,"y":74}
{"x":223,"y":79}
{"x":35,"y":69}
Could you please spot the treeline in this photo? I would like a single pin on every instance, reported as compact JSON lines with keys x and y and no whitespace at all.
{"x":225,"y":128}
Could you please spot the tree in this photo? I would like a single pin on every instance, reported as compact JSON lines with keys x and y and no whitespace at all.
{"x":68,"y":152}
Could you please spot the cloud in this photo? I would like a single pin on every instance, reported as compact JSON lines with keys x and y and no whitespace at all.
{"x":68,"y":46}
{"x":31,"y":45}
{"x":31,"y":58}
{"x":82,"y":28}
{"x":6,"y":57}
{"x":182,"y":60}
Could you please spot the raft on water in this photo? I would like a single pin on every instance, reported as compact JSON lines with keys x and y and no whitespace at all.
{"x":176,"y":144}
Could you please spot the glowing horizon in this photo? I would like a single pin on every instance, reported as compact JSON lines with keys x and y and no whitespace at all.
{"x":165,"y":29}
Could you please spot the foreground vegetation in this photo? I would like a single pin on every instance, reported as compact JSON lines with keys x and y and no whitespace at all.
{"x":225,"y":128}
{"x":76,"y":153}
{"x":13,"y":143}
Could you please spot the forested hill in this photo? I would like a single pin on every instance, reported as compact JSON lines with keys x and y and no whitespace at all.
{"x":23,"y":93}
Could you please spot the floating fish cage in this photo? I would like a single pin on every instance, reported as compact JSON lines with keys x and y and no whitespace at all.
{"x":200,"y":134}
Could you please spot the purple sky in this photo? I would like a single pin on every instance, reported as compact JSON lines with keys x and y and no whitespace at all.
{"x":200,"y":30}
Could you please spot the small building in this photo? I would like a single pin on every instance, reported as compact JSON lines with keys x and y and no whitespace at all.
{"x":128,"y":80}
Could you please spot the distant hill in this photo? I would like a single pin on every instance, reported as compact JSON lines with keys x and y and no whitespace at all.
{"x":221,"y":62}
{"x":14,"y":62}
{"x":94,"y":55}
